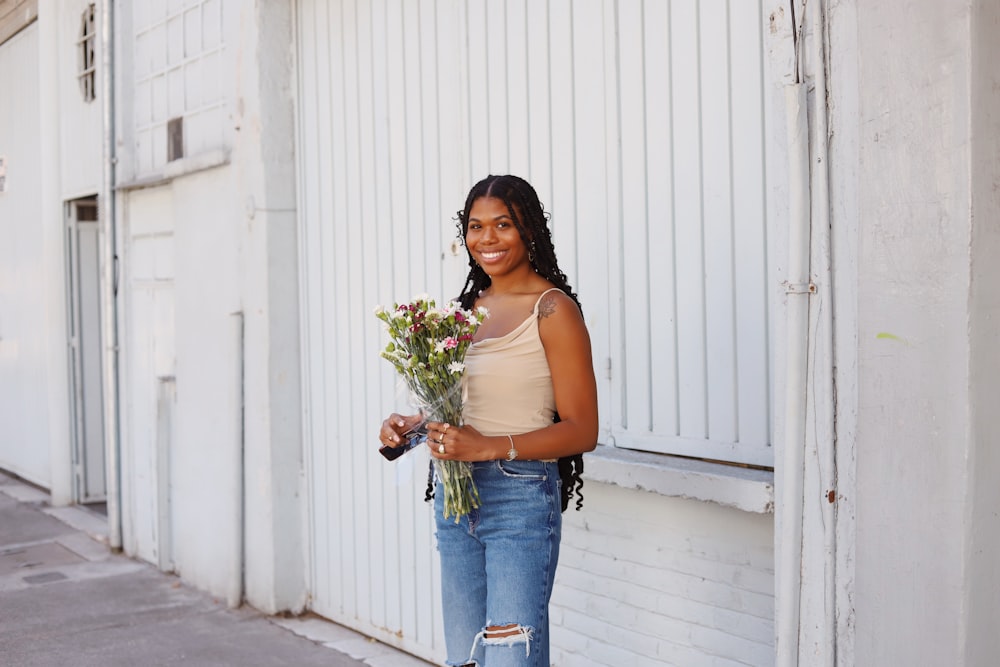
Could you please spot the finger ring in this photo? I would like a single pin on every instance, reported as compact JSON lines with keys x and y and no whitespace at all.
{"x":440,"y":449}
{"x":441,"y":438}
{"x":446,"y":427}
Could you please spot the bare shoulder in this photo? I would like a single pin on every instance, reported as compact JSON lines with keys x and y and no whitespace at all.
{"x":554,"y":303}
{"x":563,"y":333}
{"x":558,"y":315}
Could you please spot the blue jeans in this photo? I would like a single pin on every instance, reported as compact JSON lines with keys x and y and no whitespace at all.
{"x":498,"y":564}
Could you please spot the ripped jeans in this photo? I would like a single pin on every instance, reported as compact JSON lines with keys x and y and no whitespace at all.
{"x":498,"y":565}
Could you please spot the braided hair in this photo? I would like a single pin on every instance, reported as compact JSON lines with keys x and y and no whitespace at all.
{"x":531,"y":221}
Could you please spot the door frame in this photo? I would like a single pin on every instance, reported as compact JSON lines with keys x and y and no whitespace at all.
{"x":84,"y":351}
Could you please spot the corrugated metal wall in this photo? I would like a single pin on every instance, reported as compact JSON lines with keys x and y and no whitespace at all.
{"x":642,"y":126}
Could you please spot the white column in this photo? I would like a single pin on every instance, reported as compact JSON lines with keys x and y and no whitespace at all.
{"x":264,"y":152}
{"x":53,"y":227}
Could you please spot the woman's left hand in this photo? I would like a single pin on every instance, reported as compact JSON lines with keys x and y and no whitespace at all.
{"x":455,"y":443}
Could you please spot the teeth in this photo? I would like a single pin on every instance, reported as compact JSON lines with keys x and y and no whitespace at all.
{"x":492,"y":255}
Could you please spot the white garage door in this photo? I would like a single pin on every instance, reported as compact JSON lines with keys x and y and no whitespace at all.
{"x":641,"y":124}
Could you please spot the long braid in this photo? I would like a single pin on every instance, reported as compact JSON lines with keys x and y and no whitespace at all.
{"x":531,"y":221}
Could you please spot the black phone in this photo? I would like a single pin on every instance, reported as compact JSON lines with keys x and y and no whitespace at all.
{"x":415,"y":436}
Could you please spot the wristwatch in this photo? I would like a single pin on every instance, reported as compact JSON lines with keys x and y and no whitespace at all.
{"x":512,"y":452}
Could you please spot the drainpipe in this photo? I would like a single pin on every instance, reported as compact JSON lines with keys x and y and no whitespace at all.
{"x":809,"y":219}
{"x":109,"y":284}
{"x":237,"y":582}
{"x":797,"y":290}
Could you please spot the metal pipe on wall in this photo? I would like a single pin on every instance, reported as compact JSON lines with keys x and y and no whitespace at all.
{"x":797,"y":289}
{"x":237,"y":584}
{"x":109,"y":291}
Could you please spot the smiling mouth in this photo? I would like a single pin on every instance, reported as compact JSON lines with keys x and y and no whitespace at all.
{"x":493,"y":254}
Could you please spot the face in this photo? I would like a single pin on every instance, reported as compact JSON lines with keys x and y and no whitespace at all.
{"x":493,"y":239}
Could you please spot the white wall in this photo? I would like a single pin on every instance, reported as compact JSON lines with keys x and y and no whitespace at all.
{"x":210,"y":245}
{"x":982,"y":577}
{"x":53,"y":141}
{"x":23,"y":405}
{"x":207,"y":447}
{"x":183,"y":328}
{"x":269,"y":270}
{"x":34,"y":412}
{"x":926,"y":535}
{"x":81,"y":130}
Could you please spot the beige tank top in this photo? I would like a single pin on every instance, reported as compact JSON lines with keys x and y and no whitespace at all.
{"x":508,"y":385}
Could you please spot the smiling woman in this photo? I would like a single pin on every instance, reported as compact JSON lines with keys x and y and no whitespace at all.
{"x":530,"y":412}
{"x":492,"y":238}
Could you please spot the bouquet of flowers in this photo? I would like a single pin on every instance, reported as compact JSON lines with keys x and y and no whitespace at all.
{"x":427,"y":348}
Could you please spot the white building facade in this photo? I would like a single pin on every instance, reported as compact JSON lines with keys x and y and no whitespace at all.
{"x":51,"y":150}
{"x":779,"y":224}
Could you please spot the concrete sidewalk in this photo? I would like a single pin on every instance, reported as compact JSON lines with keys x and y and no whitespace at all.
{"x":65,"y":599}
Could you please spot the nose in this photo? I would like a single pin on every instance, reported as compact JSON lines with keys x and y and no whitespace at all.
{"x":489,"y":233}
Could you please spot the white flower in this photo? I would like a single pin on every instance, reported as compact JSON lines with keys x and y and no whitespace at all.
{"x":439,"y":346}
{"x":379,"y":310}
{"x":425,"y":297}
{"x":483,"y":312}
{"x":456,"y":367}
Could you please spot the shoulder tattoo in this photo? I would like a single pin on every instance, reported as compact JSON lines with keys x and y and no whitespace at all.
{"x":547,"y":306}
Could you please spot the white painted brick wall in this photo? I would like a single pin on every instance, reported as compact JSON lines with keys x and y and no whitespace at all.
{"x":646,"y":579}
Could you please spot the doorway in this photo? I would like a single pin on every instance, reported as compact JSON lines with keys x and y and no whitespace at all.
{"x":85,"y":350}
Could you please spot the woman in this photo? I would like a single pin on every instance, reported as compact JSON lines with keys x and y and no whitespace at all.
{"x":530,"y":413}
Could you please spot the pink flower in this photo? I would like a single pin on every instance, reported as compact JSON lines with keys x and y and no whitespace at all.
{"x":450,"y":343}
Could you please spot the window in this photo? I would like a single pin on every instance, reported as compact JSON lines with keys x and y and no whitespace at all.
{"x":85,"y":49}
{"x":179,"y":86}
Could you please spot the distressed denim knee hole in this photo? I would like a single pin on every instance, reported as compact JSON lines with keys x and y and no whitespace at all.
{"x":510,"y":634}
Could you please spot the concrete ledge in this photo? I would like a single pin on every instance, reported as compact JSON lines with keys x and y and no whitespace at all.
{"x":180,"y":167}
{"x":96,"y":527}
{"x":358,"y":646}
{"x":746,"y":489}
{"x":24,"y":493}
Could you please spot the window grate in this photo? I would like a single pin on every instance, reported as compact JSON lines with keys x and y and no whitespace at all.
{"x":86,"y":49}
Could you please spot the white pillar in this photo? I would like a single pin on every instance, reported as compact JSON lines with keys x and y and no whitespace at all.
{"x":264,"y":152}
{"x":53,"y":228}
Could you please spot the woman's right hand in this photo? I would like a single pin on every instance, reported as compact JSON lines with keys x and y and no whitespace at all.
{"x":394,"y":427}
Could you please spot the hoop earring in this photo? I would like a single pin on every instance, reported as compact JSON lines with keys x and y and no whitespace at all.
{"x":531,"y":252}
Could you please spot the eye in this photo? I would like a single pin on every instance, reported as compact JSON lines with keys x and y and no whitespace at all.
{"x":474,"y":226}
